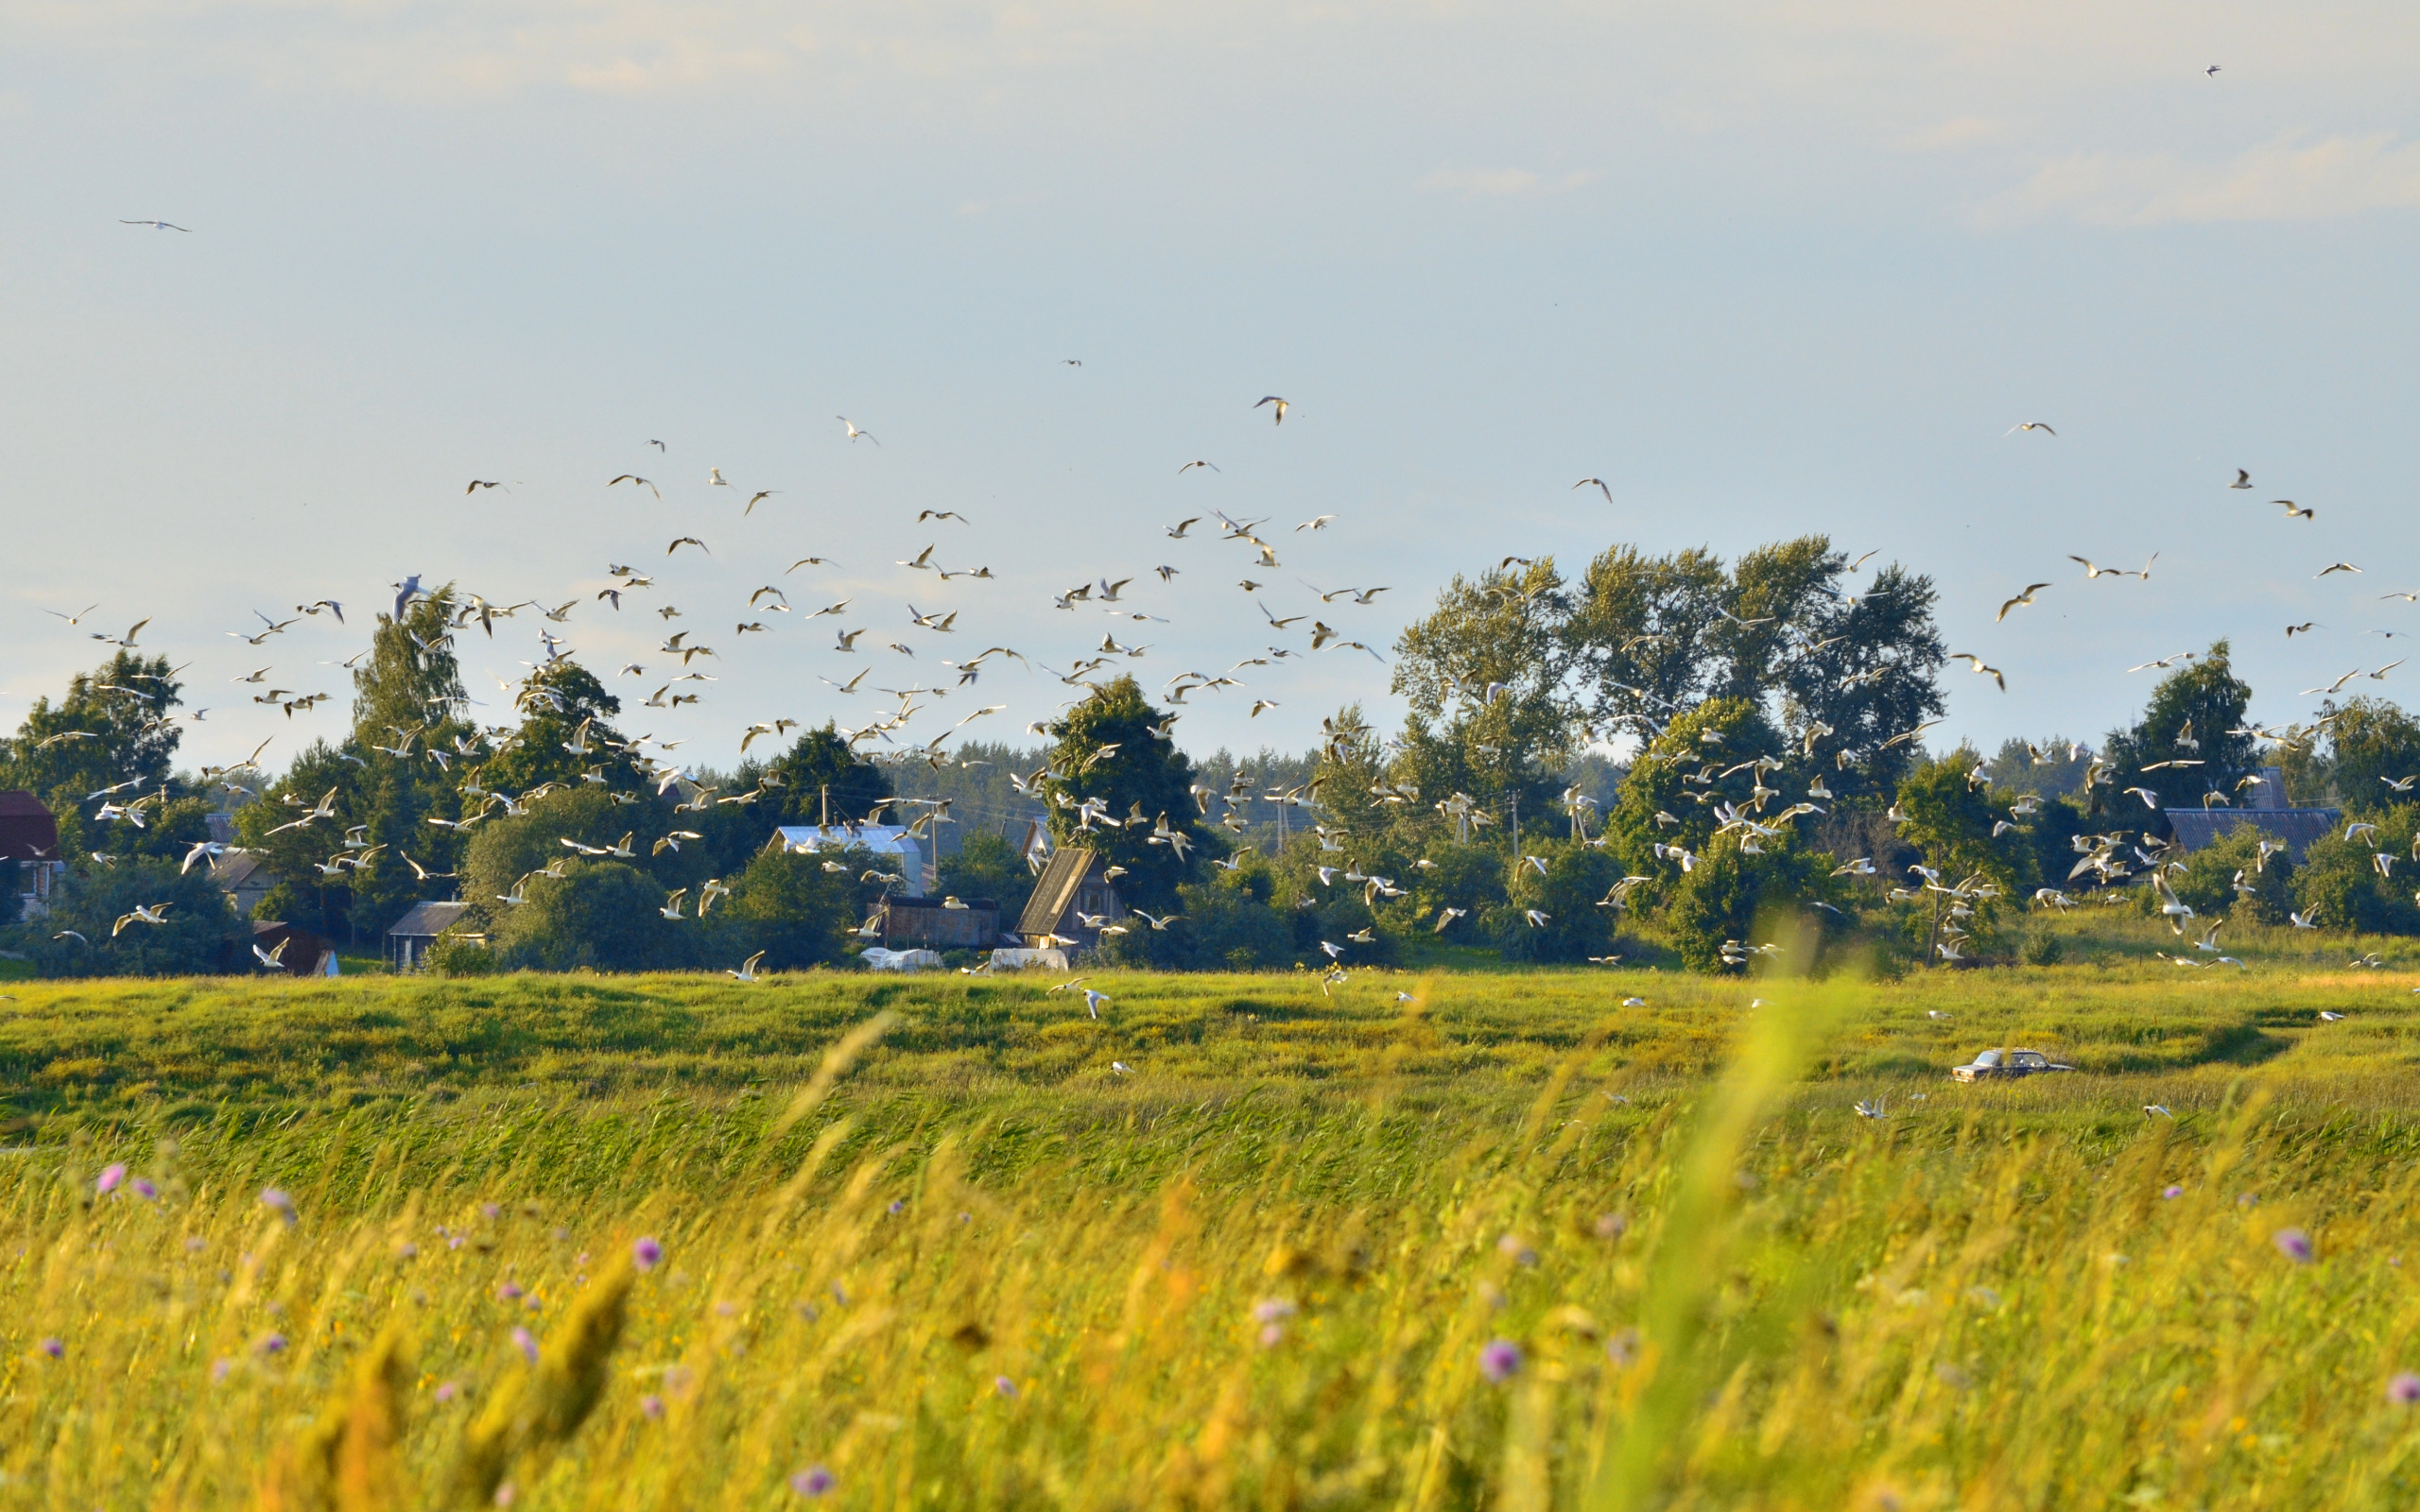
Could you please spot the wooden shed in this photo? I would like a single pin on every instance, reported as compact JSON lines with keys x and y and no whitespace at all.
{"x":1071,"y":889}
{"x":931,"y":925}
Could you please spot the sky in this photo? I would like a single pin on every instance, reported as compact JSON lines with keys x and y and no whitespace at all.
{"x":1767,"y":269}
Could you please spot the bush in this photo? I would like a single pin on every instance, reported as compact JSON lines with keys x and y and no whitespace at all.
{"x":453,"y":955}
{"x":786,"y":906}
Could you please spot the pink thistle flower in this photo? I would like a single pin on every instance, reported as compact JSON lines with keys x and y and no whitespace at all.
{"x":1500,"y":1361}
{"x":111,"y":1177}
{"x":143,"y":1188}
{"x":53,"y":1348}
{"x":2403,"y":1389}
{"x":2293,"y":1243}
{"x":647,"y":1253}
{"x":650,"y":1407}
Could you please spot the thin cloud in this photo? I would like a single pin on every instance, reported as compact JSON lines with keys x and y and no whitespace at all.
{"x":2290,"y":178}
{"x":1499,"y":181}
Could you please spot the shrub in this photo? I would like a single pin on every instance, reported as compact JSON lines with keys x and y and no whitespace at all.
{"x":454,"y":955}
{"x":597,"y":915}
{"x":2207,"y":883}
{"x":2340,"y":886}
{"x":201,"y":934}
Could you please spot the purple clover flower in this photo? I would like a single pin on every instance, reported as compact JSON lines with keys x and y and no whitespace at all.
{"x":271,"y":1344}
{"x":219,"y":1368}
{"x":1270,"y":1309}
{"x":1005,"y":1386}
{"x":1271,"y":1335}
{"x":143,"y":1188}
{"x":2293,"y":1243}
{"x":2172,"y":1193}
{"x":2403,"y":1389}
{"x":446,"y":1390}
{"x":510,"y":1290}
{"x":897,"y":1208}
{"x":527,"y":1343}
{"x":813,"y":1481}
{"x":1500,"y":1361}
{"x":111,"y":1175}
{"x":650,"y":1407}
{"x":276,"y":1199}
{"x":647,"y":1253}
{"x":490,"y":1211}
{"x":54,"y":1349}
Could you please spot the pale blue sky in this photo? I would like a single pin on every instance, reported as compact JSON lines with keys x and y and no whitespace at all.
{"x":1767,"y":267}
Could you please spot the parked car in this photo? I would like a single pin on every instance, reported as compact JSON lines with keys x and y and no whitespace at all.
{"x":1998,"y":1065}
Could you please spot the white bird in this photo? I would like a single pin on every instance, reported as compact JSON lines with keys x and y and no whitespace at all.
{"x":2242,"y":479}
{"x":1093,"y":1001}
{"x":853,"y":432}
{"x":2155,"y":1110}
{"x":1281,"y":408}
{"x":747,"y":971}
{"x":158,"y":225}
{"x":1600,"y":482}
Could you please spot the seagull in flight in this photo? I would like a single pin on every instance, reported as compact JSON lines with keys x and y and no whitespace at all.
{"x":1190,"y":465}
{"x":2029,"y":425}
{"x":1602,"y":484}
{"x":79,"y":615}
{"x":756,"y":498}
{"x":159,"y":225}
{"x":853,"y":432}
{"x":2242,"y":479}
{"x":2293,"y":513}
{"x":2338,"y":567}
{"x":1282,"y":407}
{"x":2023,"y":600}
{"x":1976,"y":665}
{"x":687,"y":541}
{"x":634,"y":478}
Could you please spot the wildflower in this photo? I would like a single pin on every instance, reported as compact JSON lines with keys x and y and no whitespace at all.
{"x":490,"y":1211}
{"x":196,"y":1244}
{"x":54,"y":1349}
{"x":650,"y":1407}
{"x":2403,"y":1389}
{"x":1268,"y":1310}
{"x":647,"y":1253}
{"x":446,"y":1390}
{"x":219,"y":1368}
{"x":455,"y":1243}
{"x":527,"y":1343}
{"x":1514,"y":1245}
{"x":271,"y":1344}
{"x":1622,"y":1348}
{"x":2172,"y":1192}
{"x":274,"y":1198}
{"x":509,"y":1292}
{"x":2293,"y":1243}
{"x":408,"y":1250}
{"x":1500,"y":1361}
{"x":1271,"y":1335}
{"x":1005,"y":1386}
{"x":504,"y":1494}
{"x":813,"y":1481}
{"x":897,"y":1208}
{"x":143,"y":1188}
{"x":1612,"y":1225}
{"x":111,"y":1177}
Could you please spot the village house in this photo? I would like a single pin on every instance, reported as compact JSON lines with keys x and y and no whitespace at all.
{"x":30,"y":859}
{"x":2264,"y":807}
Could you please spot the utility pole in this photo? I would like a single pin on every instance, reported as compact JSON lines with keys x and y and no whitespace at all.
{"x":823,"y":791}
{"x":1517,"y":825}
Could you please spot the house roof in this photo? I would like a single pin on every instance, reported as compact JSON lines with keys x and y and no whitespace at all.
{"x":27,"y":833}
{"x":1054,"y":890}
{"x":234,"y":873}
{"x":428,"y":920}
{"x":2297,"y":827}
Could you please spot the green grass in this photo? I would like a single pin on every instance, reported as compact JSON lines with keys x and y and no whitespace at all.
{"x":1260,"y":1269}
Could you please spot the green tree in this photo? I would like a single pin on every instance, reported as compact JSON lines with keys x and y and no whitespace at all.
{"x":202,"y":933}
{"x":1733,"y":895}
{"x":2208,"y":883}
{"x":600,"y":916}
{"x":566,"y":735}
{"x":2189,"y":743}
{"x":1114,"y":782}
{"x":111,"y":730}
{"x":822,"y":766}
{"x":787,"y":906}
{"x":2340,"y":885}
{"x":2372,"y":744}
{"x":1569,"y":896}
{"x":1950,"y":819}
{"x":1484,"y":672}
{"x":987,"y":866}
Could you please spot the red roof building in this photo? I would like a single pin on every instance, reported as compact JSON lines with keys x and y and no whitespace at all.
{"x":27,"y":833}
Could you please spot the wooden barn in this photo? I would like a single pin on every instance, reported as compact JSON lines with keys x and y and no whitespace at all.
{"x":932,"y":924}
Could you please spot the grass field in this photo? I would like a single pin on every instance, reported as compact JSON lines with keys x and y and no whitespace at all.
{"x":1507,"y":1243}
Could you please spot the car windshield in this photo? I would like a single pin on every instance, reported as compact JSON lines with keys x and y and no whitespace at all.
{"x":2031,"y":1057}
{"x":1988,"y":1057}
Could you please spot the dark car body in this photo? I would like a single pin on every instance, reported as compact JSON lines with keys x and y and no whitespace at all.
{"x":2002,"y":1065}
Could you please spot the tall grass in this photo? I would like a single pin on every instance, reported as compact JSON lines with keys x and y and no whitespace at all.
{"x":1507,"y":1244}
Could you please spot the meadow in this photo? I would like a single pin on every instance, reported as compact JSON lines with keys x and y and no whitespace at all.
{"x":1417,"y":1241}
